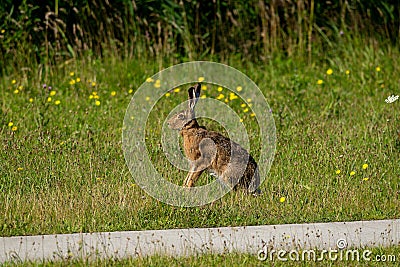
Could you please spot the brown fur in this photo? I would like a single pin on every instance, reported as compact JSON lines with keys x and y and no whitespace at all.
{"x":208,"y":150}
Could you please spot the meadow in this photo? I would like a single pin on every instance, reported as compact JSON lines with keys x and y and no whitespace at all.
{"x":62,"y":109}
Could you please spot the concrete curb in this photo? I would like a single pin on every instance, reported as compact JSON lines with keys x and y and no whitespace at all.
{"x":184,"y":242}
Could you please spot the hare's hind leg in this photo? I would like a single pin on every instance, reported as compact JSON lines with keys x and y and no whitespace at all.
{"x":192,"y":177}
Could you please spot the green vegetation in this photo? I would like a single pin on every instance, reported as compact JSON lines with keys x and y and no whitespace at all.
{"x":388,"y":256}
{"x":325,"y":69}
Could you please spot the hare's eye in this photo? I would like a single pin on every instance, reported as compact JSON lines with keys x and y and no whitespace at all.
{"x":181,"y":116}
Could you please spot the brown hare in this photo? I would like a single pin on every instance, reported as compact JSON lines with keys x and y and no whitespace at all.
{"x":211,"y":151}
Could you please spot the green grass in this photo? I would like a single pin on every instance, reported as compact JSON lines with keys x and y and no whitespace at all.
{"x":390,"y":254}
{"x":63,"y":168}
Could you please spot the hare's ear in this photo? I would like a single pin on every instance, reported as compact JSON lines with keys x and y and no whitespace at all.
{"x":194,"y":94}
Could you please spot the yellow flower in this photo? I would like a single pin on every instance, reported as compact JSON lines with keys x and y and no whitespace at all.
{"x":378,"y":69}
{"x":147,"y":98}
{"x":249,"y":100}
{"x":20,"y":87}
{"x":94,"y":93}
{"x":130,"y":91}
{"x":13,"y":82}
{"x":282,"y":199}
{"x":243,"y":105}
{"x":204,"y":87}
{"x":320,"y":81}
{"x":93,"y":84}
{"x":347,"y":72}
{"x":252,"y":114}
{"x":203,"y":96}
{"x":97,"y":103}
{"x":157,"y":84}
{"x":3,"y":31}
{"x":220,"y":96}
{"x":72,"y":82}
{"x":14,"y":128}
{"x":149,"y":80}
{"x":52,"y":93}
{"x":176,"y":90}
{"x":49,"y":99}
{"x":241,"y":120}
{"x":246,"y":110}
{"x":200,"y":79}
{"x":57,"y":102}
{"x":71,"y":73}
{"x":78,"y":80}
{"x":352,"y":173}
{"x":239,"y":88}
{"x":113,"y":93}
{"x":168,"y":94}
{"x":91,"y":97}
{"x":232,"y":96}
{"x":226,"y":100}
{"x":19,"y":169}
{"x":16,"y":91}
{"x":337,"y":171}
{"x":219,"y":89}
{"x":96,"y":96}
{"x":365,"y":179}
{"x":364,"y":166}
{"x":30,"y":100}
{"x":10,"y":124}
{"x":329,"y":71}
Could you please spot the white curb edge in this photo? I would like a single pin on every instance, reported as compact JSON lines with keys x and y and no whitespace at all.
{"x":184,"y":242}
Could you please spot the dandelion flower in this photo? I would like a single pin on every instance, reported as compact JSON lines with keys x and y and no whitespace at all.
{"x":365,"y":179}
{"x":3,"y":31}
{"x":96,"y":96}
{"x":57,"y":102}
{"x":149,"y":80}
{"x":364,"y":166}
{"x":219,"y":89}
{"x":320,"y":81}
{"x":347,"y":72}
{"x":200,"y":79}
{"x":147,"y":98}
{"x":71,"y":73}
{"x":232,"y":96}
{"x":72,"y":82}
{"x":10,"y":124}
{"x":157,"y":84}
{"x":176,"y":90}
{"x":329,"y":71}
{"x":243,"y":105}
{"x":14,"y":128}
{"x":337,"y":171}
{"x":282,"y":199}
{"x":253,"y":114}
{"x":167,"y":94}
{"x":352,"y":173}
{"x":16,"y":91}
{"x":241,"y":120}
{"x":78,"y":80}
{"x":226,"y":100}
{"x":130,"y":91}
{"x":52,"y":93}
{"x":30,"y":100}
{"x":20,"y":87}
{"x":248,"y":100}
{"x":113,"y":93}
{"x":203,"y":96}
{"x":239,"y":88}
{"x":97,"y":103}
{"x":19,"y":169}
{"x":246,"y":110}
{"x":49,"y":99}
{"x":220,"y":96}
{"x":13,"y":82}
{"x":378,"y":69}
{"x":91,"y":97}
{"x":93,"y":84}
{"x":204,"y":87}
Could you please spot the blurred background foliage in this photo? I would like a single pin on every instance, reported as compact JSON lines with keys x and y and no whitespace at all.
{"x":50,"y":33}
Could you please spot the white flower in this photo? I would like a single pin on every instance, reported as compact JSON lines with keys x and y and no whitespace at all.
{"x":391,"y":99}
